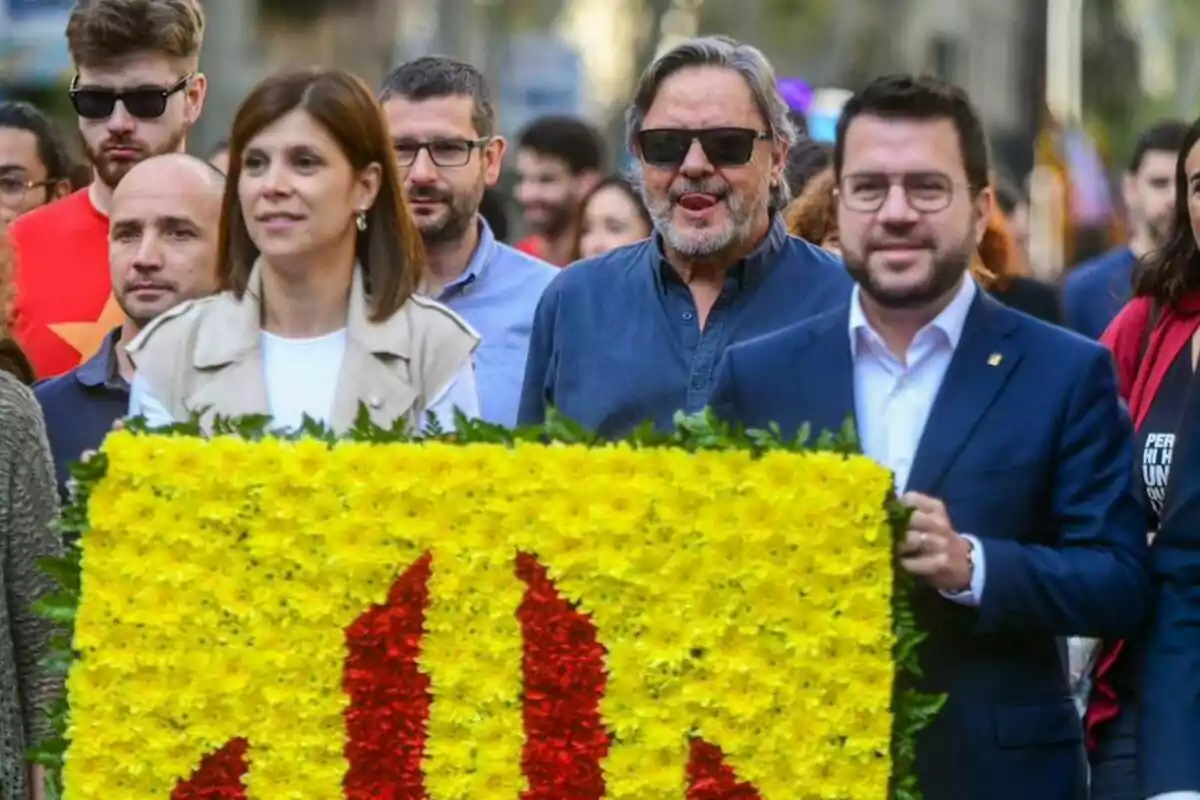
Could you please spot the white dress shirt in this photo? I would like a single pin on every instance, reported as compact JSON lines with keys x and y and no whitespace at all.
{"x":893,"y":397}
{"x":301,"y":377}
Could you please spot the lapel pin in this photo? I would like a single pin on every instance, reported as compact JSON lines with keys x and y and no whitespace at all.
{"x":994,"y":360}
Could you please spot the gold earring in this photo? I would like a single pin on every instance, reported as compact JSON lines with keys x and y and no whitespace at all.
{"x":360,"y":219}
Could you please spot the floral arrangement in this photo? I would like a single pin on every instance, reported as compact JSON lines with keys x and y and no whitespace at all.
{"x":534,"y":614}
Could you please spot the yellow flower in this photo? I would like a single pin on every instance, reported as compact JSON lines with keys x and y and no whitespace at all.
{"x":747,"y":601}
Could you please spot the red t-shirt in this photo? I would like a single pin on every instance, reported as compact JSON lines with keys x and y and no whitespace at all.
{"x":64,"y":305}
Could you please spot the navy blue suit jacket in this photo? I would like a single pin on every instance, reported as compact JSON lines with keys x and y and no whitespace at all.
{"x":1033,"y":455}
{"x":1095,"y":291}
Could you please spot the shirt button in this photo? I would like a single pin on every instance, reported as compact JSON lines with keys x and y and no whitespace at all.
{"x":374,"y":402}
{"x":688,"y":316}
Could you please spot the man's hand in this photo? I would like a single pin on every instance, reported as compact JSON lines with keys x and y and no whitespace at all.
{"x":932,"y":550}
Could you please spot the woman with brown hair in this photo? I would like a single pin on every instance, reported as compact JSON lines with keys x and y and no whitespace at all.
{"x":12,"y":357}
{"x":611,"y":215}
{"x":998,"y":266}
{"x":320,"y":263}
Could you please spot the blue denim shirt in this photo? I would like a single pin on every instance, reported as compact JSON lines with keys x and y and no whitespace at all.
{"x":497,"y":295}
{"x":616,"y":340}
{"x":81,"y":406}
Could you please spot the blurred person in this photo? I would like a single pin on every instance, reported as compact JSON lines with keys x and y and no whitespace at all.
{"x":164,"y":221}
{"x":443,"y":130}
{"x":1014,"y":204}
{"x":218,"y":156}
{"x":996,"y":265}
{"x":1142,"y":722}
{"x":34,"y":164}
{"x":806,"y":160}
{"x":28,"y":530}
{"x":12,"y":358}
{"x":1096,"y":290}
{"x":137,"y":93}
{"x":559,"y":160}
{"x":611,"y":215}
{"x":813,"y":214}
{"x":319,"y":262}
{"x":635,"y":335}
{"x":1005,"y":436}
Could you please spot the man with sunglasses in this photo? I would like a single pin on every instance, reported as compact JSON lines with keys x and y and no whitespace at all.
{"x":34,"y":165}
{"x":443,"y":128}
{"x":635,"y":335}
{"x":136,"y":93}
{"x":1005,"y":435}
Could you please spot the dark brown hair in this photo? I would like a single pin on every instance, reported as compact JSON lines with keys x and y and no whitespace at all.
{"x":1174,"y":272}
{"x":102,"y":31}
{"x":390,"y":250}
{"x":6,"y":284}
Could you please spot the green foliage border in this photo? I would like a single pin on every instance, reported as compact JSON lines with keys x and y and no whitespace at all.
{"x":912,"y":710}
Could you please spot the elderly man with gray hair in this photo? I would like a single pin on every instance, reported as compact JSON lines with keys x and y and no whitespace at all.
{"x":634,"y":335}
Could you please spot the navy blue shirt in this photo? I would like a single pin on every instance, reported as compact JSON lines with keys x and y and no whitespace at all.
{"x":81,"y":406}
{"x":1097,"y":290}
{"x":616,"y":339}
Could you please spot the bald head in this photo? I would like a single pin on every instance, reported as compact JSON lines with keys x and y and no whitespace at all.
{"x":163,"y":230}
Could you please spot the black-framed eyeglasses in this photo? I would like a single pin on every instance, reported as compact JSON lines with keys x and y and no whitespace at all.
{"x":925,"y":192}
{"x":144,"y":103}
{"x":443,"y":152}
{"x":724,"y":147}
{"x":13,"y":189}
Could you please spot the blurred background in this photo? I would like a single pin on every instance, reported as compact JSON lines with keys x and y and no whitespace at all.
{"x":1064,"y":85}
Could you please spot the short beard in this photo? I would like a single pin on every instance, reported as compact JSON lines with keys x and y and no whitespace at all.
{"x":707,"y":243}
{"x":110,"y":175}
{"x":460,"y":216}
{"x":948,"y":270}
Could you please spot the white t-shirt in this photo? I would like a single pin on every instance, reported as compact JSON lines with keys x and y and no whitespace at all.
{"x":301,"y":376}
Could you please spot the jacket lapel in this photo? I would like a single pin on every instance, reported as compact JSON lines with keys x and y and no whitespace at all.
{"x":375,"y":367}
{"x":982,"y":364}
{"x":827,"y":381}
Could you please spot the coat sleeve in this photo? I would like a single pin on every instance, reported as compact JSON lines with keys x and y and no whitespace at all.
{"x":31,"y":536}
{"x":1092,"y":580}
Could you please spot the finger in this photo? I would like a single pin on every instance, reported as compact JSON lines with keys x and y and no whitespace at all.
{"x":933,"y":524}
{"x":922,"y":502}
{"x":924,"y":566}
{"x":912,"y":543}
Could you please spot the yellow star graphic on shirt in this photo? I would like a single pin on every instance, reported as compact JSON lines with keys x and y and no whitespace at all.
{"x":88,"y":337}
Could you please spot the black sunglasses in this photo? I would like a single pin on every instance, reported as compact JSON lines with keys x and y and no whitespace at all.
{"x":147,"y":103}
{"x":724,"y":147}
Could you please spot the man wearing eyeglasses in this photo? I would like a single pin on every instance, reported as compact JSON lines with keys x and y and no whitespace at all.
{"x":1005,"y":435}
{"x":34,"y":165}
{"x":442,"y":123}
{"x":634,"y":335}
{"x":136,"y":93}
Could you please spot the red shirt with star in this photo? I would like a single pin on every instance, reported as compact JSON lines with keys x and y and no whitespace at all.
{"x":64,"y":306}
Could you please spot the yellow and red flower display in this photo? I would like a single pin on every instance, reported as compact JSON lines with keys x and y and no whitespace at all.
{"x":293,"y":619}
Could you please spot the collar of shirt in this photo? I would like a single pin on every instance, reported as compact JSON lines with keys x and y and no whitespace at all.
{"x":748,"y":272}
{"x":949,"y":323}
{"x":103,"y":369}
{"x":485,"y":251}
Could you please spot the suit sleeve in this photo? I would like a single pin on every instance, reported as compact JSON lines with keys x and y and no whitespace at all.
{"x":1092,"y":579}
{"x":537,"y":391}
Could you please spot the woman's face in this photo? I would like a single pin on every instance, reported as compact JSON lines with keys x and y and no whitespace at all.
{"x":299,"y":193}
{"x":1191,"y":169}
{"x":1018,"y":226}
{"x":610,"y":220}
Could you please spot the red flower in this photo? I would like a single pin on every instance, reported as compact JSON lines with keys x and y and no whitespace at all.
{"x":219,"y":776}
